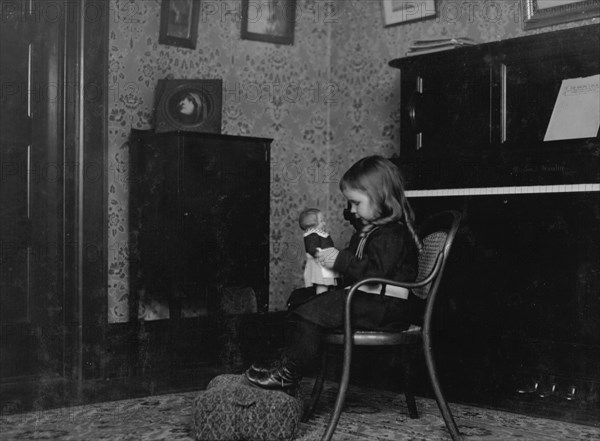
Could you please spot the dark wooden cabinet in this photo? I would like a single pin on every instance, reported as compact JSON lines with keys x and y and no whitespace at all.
{"x":521,"y":297}
{"x":199,"y":219}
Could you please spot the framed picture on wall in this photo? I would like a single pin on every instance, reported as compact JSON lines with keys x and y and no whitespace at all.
{"x":271,"y":21}
{"x":188,"y":106}
{"x":538,"y":13}
{"x":179,"y":23}
{"x":402,"y":11}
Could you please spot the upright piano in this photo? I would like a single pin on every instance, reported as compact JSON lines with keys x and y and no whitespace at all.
{"x":520,"y":317}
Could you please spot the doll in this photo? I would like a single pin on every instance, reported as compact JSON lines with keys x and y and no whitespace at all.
{"x":316,"y":238}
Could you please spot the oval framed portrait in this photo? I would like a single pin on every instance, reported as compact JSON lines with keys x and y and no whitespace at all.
{"x":188,"y":105}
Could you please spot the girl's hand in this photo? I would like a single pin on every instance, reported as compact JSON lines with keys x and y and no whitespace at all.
{"x":326,"y":257}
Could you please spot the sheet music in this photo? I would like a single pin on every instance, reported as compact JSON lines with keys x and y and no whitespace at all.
{"x":576,"y":112}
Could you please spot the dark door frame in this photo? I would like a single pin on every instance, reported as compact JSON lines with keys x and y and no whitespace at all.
{"x":73,"y":42}
{"x":85,"y":113}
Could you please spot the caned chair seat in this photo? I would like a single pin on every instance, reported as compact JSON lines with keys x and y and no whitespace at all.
{"x":377,"y":338}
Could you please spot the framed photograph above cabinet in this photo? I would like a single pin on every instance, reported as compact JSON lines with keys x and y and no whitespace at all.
{"x":188,"y":105}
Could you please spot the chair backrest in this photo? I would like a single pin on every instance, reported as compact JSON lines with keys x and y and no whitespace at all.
{"x":437,"y":235}
{"x":445,"y":223}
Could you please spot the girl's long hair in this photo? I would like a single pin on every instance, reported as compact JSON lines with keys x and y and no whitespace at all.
{"x":382,"y":181}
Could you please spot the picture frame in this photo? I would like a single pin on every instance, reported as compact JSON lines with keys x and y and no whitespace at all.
{"x":179,"y":23}
{"x":270,"y":21}
{"x":188,"y":105}
{"x":402,"y":11}
{"x":540,"y":13}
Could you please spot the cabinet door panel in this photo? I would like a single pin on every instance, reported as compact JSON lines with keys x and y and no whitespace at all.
{"x":225,"y":212}
{"x":154,"y":216}
{"x":446,"y":107}
{"x":200,"y":219}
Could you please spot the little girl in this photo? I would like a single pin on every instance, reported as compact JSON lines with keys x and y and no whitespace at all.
{"x":386,"y":246}
{"x":315,"y":238}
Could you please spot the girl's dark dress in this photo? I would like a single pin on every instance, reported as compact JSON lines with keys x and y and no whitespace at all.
{"x":389,"y":252}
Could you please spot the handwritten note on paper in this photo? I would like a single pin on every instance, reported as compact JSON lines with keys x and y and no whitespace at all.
{"x":576,"y":112}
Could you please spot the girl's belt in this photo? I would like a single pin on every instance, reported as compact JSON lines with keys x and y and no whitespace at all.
{"x":389,"y":290}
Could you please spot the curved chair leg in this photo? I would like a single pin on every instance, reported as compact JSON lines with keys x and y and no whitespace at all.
{"x":317,"y":387}
{"x":408,"y":355}
{"x":339,"y":403}
{"x":437,"y":390}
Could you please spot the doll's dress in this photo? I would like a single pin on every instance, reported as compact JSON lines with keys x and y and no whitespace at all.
{"x":314,"y":273}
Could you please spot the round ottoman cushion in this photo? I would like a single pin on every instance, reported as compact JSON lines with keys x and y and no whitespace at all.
{"x":230,"y":409}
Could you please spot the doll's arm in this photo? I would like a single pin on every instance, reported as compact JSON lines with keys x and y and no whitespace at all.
{"x":327,"y":257}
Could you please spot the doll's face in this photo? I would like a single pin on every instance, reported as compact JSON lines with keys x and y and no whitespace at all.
{"x":320,"y":221}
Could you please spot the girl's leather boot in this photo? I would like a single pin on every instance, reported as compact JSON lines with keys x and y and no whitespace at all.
{"x":284,"y":377}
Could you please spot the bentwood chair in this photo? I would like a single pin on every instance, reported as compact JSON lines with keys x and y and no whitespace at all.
{"x":437,"y":234}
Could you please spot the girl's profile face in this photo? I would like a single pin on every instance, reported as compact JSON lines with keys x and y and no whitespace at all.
{"x":361,"y":205}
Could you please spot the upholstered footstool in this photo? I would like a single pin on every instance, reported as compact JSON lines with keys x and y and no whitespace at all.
{"x":230,"y":409}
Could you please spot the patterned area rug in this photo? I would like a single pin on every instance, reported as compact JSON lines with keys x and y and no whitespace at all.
{"x":370,"y":415}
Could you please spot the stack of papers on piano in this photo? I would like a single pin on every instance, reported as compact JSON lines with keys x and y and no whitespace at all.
{"x":441,"y":44}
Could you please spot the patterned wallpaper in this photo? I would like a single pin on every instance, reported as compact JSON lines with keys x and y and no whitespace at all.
{"x":326,"y":101}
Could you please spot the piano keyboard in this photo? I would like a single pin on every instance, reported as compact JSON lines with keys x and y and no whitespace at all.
{"x":527,"y":189}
